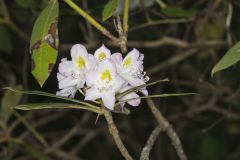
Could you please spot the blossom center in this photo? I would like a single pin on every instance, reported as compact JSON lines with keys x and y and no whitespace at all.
{"x":102,"y":56}
{"x":127,"y":62}
{"x":81,"y":63}
{"x":106,"y":76}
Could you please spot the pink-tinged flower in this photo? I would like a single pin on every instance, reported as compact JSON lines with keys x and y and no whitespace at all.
{"x":131,"y":68}
{"x":102,"y":53}
{"x":72,"y":74}
{"x":133,"y":95}
{"x":104,"y":82}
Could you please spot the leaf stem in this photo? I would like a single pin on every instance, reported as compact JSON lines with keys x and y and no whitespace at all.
{"x":91,"y":20}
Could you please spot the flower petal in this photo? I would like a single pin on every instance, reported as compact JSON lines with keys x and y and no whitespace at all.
{"x":68,"y":82}
{"x":109,"y":100}
{"x":65,"y":66}
{"x":144,"y":91}
{"x":134,"y":102}
{"x":91,"y":78}
{"x":119,"y":83}
{"x":78,"y":50}
{"x":102,"y":53}
{"x":117,"y":58}
{"x":134,"y":81}
{"x":92,"y":94}
{"x":67,"y":92}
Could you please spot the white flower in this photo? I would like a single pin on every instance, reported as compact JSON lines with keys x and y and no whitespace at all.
{"x":83,"y":61}
{"x":102,"y":53}
{"x":72,"y":74}
{"x":133,"y":95}
{"x":104,"y":82}
{"x":131,"y":68}
{"x":67,"y":92}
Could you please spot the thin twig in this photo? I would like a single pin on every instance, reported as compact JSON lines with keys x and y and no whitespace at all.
{"x":125,"y":17}
{"x":228,"y":23}
{"x":157,"y":22}
{"x":122,"y":36}
{"x":175,"y":59}
{"x":162,"y":121}
{"x":91,"y":20}
{"x":150,"y":142}
{"x":154,"y":43}
{"x":114,"y":132}
{"x":63,"y":140}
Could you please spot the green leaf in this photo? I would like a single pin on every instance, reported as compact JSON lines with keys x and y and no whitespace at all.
{"x":44,"y":42}
{"x":9,"y":99}
{"x":109,"y":9}
{"x":27,"y":3}
{"x":177,"y":11}
{"x":39,"y":93}
{"x":37,"y":106}
{"x":5,"y":40}
{"x":137,"y":88}
{"x":231,"y":57}
{"x":159,"y":96}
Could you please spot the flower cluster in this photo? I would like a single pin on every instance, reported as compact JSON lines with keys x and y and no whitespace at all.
{"x":102,"y":75}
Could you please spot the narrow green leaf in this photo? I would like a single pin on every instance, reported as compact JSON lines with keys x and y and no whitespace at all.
{"x":44,"y":42}
{"x":178,"y":11}
{"x":137,"y":88}
{"x":9,"y":99}
{"x":38,"y":106}
{"x":159,"y":96}
{"x":45,"y":94}
{"x":109,"y":9}
{"x":38,"y":136}
{"x":231,"y":57}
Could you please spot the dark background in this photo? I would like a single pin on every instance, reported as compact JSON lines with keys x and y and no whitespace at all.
{"x":208,"y":125}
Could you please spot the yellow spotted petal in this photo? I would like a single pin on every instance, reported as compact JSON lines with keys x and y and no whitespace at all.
{"x":106,"y":75}
{"x":102,"y":56}
{"x":127,"y":62}
{"x":81,"y":62}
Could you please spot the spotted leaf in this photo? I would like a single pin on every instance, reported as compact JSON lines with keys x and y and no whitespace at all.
{"x":44,"y":42}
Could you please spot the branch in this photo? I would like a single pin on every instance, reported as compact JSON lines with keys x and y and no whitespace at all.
{"x":91,"y":20}
{"x":150,"y":142}
{"x":157,"y":22}
{"x":168,"y":129}
{"x":178,"y":57}
{"x":125,"y":17}
{"x":228,"y":23}
{"x":122,"y":36}
{"x":171,"y":61}
{"x":114,"y":132}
